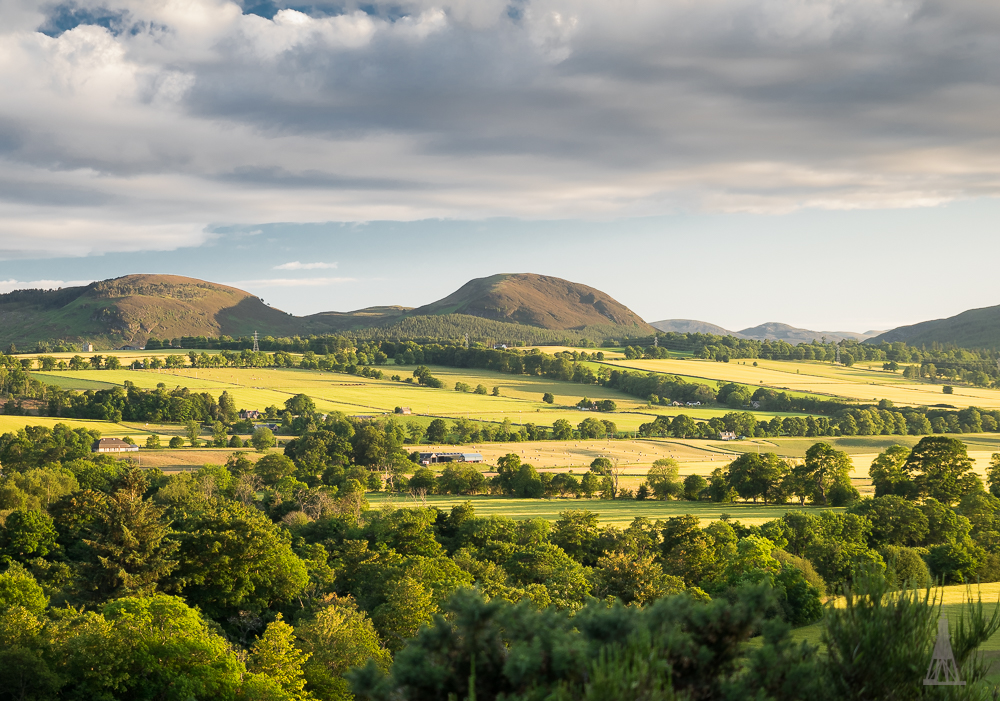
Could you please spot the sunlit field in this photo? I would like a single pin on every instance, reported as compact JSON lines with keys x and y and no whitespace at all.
{"x":520,"y":397}
{"x":860,"y":383}
{"x":618,"y":513}
{"x":12,"y":424}
{"x":182,"y":459}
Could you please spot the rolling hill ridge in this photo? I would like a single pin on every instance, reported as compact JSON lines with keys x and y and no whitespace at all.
{"x":770,"y":331}
{"x":131,"y":309}
{"x":974,"y":328}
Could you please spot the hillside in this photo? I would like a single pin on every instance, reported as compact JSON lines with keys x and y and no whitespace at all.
{"x":535,"y":300}
{"x":975,"y":328}
{"x":130,"y":309}
{"x":771,"y":331}
{"x":774,"y":331}
{"x":689,"y":326}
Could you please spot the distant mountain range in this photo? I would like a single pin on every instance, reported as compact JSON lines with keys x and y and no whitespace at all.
{"x":134,"y":308}
{"x":771,"y":331}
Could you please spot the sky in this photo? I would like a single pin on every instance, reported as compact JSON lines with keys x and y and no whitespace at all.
{"x":831,"y":164}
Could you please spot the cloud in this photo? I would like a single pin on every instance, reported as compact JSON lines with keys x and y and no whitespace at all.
{"x":11,"y":285}
{"x":292,"y":282}
{"x":296,"y":265}
{"x":138,"y":124}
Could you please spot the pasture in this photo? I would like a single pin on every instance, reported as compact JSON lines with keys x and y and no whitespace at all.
{"x":861,"y":383}
{"x":183,"y":459}
{"x":520,"y":397}
{"x":610,"y":513}
{"x":12,"y":424}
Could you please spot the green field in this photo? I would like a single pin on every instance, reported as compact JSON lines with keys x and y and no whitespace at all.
{"x":519,"y":400}
{"x":862,"y":383}
{"x":617,"y":513}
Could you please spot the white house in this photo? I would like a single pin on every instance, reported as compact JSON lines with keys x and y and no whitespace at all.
{"x":113,"y":445}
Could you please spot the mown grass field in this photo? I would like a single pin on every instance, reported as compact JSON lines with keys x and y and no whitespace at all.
{"x":816,"y":377}
{"x":182,"y":459}
{"x":12,"y":424}
{"x":618,"y":513}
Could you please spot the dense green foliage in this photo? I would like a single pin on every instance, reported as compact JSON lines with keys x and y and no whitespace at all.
{"x":272,"y":580}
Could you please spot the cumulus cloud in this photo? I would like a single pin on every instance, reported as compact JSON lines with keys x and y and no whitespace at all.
{"x":134,"y":124}
{"x":11,"y":285}
{"x":296,"y":265}
{"x":292,"y":282}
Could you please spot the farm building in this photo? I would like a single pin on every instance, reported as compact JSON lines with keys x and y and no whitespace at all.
{"x":434,"y":458}
{"x":727,"y":436}
{"x":88,"y":347}
{"x":114,"y":445}
{"x":251,"y":414}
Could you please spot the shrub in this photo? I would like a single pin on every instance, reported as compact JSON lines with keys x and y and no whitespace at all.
{"x":176,"y":442}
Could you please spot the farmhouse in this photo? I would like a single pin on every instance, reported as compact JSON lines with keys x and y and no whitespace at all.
{"x":113,"y":445}
{"x":251,"y":414}
{"x":88,"y":347}
{"x":727,"y":436}
{"x":434,"y":458}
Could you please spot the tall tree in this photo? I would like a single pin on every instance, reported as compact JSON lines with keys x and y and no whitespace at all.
{"x":824,"y":467}
{"x":889,"y":473}
{"x":227,"y":407}
{"x":129,"y":552}
{"x":941,"y":465}
{"x":755,"y":475}
{"x":274,"y":655}
{"x":662,"y":479}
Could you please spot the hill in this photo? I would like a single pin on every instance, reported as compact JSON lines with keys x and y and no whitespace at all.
{"x":774,"y":331}
{"x":974,"y":328}
{"x":689,"y":326}
{"x":130,"y":309}
{"x":535,"y":300}
{"x":771,"y":331}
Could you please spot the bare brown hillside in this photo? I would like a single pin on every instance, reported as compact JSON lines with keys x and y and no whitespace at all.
{"x":535,"y":300}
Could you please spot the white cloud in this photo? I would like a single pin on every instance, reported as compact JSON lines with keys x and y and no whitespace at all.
{"x":292,"y":282}
{"x":192,"y":114}
{"x":296,"y":265}
{"x":11,"y":285}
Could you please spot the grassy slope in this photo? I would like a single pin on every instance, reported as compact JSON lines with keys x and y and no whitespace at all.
{"x":975,"y":328}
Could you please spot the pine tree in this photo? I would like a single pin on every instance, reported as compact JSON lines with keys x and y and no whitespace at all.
{"x":275,"y":655}
{"x":128,"y":551}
